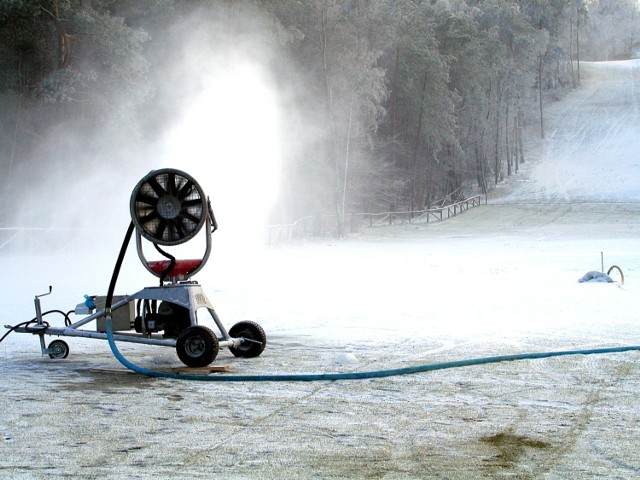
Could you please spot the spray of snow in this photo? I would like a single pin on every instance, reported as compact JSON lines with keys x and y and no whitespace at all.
{"x":228,"y":139}
{"x":395,"y":283}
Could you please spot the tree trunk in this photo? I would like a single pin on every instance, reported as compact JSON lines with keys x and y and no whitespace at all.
{"x":578,"y":43}
{"x":540,"y":94}
{"x":394,"y":109}
{"x":520,"y":126}
{"x":507,"y":150}
{"x":573,"y":76}
{"x":64,"y":39}
{"x":497,"y":132}
{"x":480,"y":170}
{"x":329,"y":125}
{"x":346,"y":166}
{"x":430,"y":157}
{"x":416,"y":146}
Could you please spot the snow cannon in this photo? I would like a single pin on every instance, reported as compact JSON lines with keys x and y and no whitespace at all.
{"x":168,"y":208}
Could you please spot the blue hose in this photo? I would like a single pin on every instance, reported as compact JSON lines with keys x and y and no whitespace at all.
{"x":315,"y":377}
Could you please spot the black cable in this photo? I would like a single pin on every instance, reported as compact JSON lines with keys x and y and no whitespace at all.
{"x":67,"y":322}
{"x":45,"y":325}
{"x":172,"y":263}
{"x":214,"y":224}
{"x":14,"y":327}
{"x":116,"y":269}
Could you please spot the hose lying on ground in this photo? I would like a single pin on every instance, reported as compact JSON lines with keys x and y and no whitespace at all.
{"x":312,"y":377}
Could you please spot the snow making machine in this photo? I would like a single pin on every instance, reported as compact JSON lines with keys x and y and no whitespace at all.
{"x":168,"y":208}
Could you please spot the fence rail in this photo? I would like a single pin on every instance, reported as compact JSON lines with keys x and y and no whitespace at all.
{"x":53,"y":239}
{"x":324,"y":225}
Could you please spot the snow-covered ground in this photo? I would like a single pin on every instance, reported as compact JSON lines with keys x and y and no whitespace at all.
{"x":499,"y":279}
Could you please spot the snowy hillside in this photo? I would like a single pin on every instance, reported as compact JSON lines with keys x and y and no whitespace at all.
{"x":591,"y":150}
{"x":499,"y":279}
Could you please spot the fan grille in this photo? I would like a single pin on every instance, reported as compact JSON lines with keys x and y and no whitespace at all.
{"x":168,"y":207}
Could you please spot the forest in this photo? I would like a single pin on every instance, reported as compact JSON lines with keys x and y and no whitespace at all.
{"x":402,"y":104}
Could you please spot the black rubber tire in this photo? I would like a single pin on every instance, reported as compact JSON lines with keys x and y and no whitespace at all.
{"x":61,"y":349}
{"x":197,"y":346}
{"x":252,"y":331}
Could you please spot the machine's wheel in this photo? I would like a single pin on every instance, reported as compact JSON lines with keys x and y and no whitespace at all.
{"x":255,"y":337}
{"x":59,"y":348}
{"x":197,"y":346}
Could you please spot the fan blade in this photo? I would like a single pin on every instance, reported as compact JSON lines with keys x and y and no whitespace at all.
{"x":153,"y":215}
{"x":185,"y":190}
{"x":189,"y":216}
{"x":191,"y":203}
{"x":178,"y":227}
{"x":153,"y":183}
{"x":162,"y":225}
{"x":171,"y":183}
{"x":147,"y":199}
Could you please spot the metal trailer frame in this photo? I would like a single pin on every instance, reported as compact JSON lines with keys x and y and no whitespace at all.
{"x":179,"y":291}
{"x":189,"y":295}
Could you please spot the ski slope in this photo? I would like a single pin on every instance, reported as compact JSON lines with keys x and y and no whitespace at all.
{"x":498,"y":279}
{"x":592,"y":140}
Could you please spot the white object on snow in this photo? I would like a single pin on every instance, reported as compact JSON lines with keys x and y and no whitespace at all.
{"x":595,"y":277}
{"x":346,"y":358}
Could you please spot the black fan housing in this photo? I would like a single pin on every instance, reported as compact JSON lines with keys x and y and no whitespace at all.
{"x":168,"y":207}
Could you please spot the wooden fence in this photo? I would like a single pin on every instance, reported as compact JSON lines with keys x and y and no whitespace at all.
{"x":327,"y":225}
{"x":52,"y":239}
